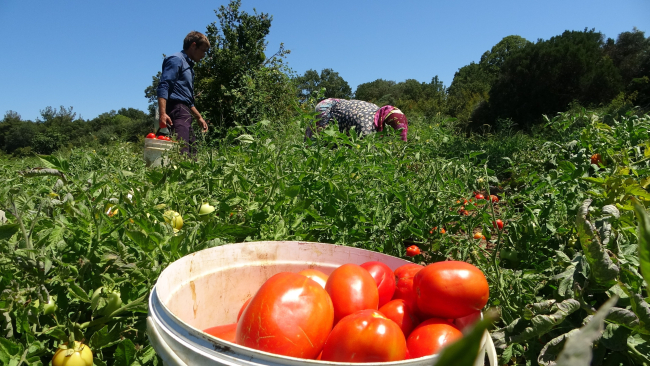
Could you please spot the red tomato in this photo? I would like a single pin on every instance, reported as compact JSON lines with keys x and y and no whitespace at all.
{"x":151,"y":136}
{"x":450,"y":289}
{"x":402,"y":314}
{"x":430,"y":336}
{"x":225,"y":332}
{"x":466,"y":321}
{"x":243,"y":307}
{"x":494,"y":198}
{"x":412,"y":251}
{"x":290,"y":315}
{"x":384,"y":278}
{"x":498,"y":224}
{"x":479,"y":197}
{"x":365,"y":336}
{"x":316,"y":275}
{"x":404,"y":283}
{"x":351,"y":289}
{"x":161,"y":137}
{"x":596,"y":159}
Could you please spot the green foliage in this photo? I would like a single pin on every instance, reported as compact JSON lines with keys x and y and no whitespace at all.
{"x":411,"y":96}
{"x":545,"y":77}
{"x":60,"y":130}
{"x":236,"y":83}
{"x":311,"y":82}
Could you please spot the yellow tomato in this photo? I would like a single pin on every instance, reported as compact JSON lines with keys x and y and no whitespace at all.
{"x":80,"y":355}
{"x":174,"y":219}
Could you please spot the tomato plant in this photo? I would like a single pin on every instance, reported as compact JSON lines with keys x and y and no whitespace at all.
{"x":463,"y":287}
{"x":365,"y":336}
{"x":430,"y":336}
{"x":265,"y":326}
{"x":351,"y":289}
{"x":385,"y":279}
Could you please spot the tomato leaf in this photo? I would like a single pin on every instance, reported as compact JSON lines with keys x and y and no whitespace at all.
{"x":8,"y":230}
{"x":124,"y":353}
{"x":103,"y":338}
{"x":577,"y":349}
{"x":644,"y":241}
{"x":602,"y":270}
{"x":78,"y":292}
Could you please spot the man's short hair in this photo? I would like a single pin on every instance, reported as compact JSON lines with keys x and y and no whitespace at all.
{"x":197,"y":37}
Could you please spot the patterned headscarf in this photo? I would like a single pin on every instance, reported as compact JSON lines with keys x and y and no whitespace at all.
{"x":391,"y":116}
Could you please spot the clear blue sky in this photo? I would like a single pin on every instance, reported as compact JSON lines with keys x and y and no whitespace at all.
{"x":98,"y":56}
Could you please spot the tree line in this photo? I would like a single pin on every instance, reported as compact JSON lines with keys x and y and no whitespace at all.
{"x":516,"y":81}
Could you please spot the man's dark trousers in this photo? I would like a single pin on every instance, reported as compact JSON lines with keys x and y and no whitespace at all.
{"x":182,"y":125}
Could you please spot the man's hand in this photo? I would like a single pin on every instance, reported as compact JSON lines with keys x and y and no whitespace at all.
{"x":164,"y":121}
{"x":204,"y":125}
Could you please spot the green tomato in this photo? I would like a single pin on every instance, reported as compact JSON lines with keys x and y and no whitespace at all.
{"x":114,"y":302}
{"x":50,"y":307}
{"x":205,"y":209}
{"x":174,"y":219}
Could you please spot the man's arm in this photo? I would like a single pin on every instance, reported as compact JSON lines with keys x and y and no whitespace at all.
{"x":163,"y":119}
{"x":197,"y":115}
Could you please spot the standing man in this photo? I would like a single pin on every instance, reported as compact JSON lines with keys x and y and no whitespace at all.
{"x":176,"y":90}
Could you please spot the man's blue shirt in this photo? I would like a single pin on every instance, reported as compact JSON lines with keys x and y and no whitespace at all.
{"x":177,"y":79}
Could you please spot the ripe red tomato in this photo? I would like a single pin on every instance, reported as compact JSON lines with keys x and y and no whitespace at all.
{"x":243,"y":307}
{"x":498,"y":224}
{"x":402,"y":314}
{"x":365,"y":336}
{"x":225,"y":332}
{"x":404,"y":283}
{"x":479,"y":196}
{"x":316,"y":275}
{"x":596,"y":159}
{"x":351,"y":289}
{"x":494,"y":198}
{"x":161,"y":137}
{"x":151,"y":136}
{"x":290,"y":315}
{"x":384,"y":278}
{"x":466,"y":321}
{"x":412,"y":251}
{"x":430,"y":336}
{"x":450,"y":289}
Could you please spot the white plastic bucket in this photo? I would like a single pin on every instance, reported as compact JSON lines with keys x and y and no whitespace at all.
{"x":154,"y":151}
{"x":207,"y":288}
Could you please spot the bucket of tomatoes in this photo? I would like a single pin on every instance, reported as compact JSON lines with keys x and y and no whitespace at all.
{"x":295,"y":303}
{"x":155,"y":147}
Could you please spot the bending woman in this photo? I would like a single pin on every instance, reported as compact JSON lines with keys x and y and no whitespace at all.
{"x":364,"y":117}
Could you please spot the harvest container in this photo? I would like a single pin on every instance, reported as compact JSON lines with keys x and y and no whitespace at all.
{"x":154,"y":151}
{"x":207,"y":288}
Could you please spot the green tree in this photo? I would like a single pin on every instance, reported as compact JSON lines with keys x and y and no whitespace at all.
{"x":545,"y":77}
{"x":631,"y":55}
{"x":375,"y":91}
{"x":470,"y":88}
{"x":311,"y":82}
{"x":236,"y":83}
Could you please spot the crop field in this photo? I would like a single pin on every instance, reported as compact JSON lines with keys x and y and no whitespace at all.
{"x":83,"y":239}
